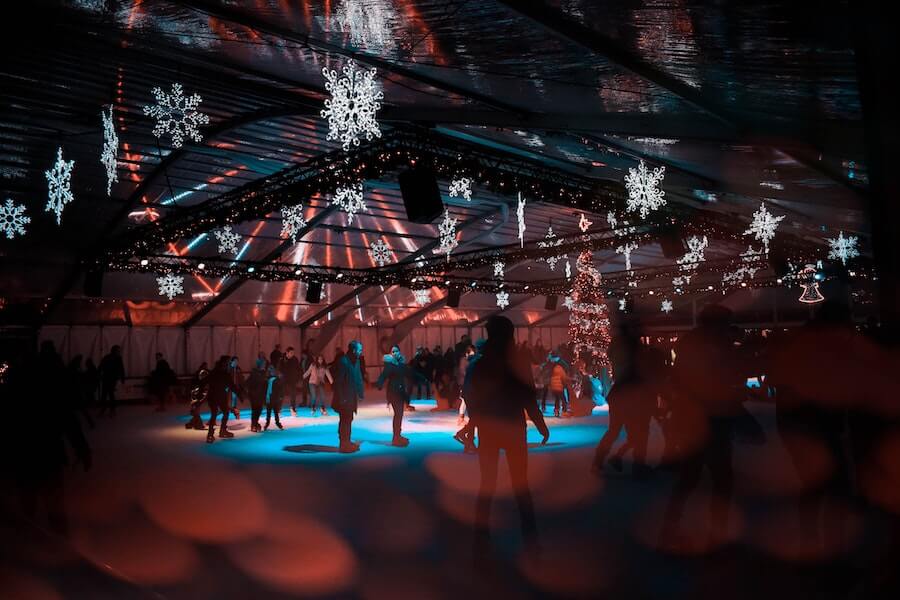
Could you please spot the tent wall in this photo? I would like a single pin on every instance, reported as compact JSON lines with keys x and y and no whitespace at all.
{"x":187,"y":349}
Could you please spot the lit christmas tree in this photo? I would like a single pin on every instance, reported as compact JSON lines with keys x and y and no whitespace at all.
{"x":589,"y":319}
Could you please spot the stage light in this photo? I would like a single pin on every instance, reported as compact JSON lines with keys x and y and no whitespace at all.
{"x":251,"y":269}
{"x":144,"y":262}
{"x":201,"y":266}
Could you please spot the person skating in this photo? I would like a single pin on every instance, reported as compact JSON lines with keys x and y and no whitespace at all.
{"x":291,"y":373}
{"x":256,"y":385}
{"x":198,"y":395}
{"x":217,"y":384}
{"x":396,"y":374}
{"x":274,"y":397}
{"x":348,"y":391}
{"x":112,"y":372}
{"x":236,"y":385}
{"x":317,"y":374}
{"x":162,"y":378}
{"x":499,"y":394}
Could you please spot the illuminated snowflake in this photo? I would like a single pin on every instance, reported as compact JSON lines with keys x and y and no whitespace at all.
{"x":763,"y":226}
{"x":682,"y":280}
{"x":170,"y":285}
{"x":644,"y":194}
{"x":627,"y":249}
{"x":695,"y":254}
{"x":355,"y":99}
{"x":350,"y":200}
{"x":551,"y":241}
{"x":498,"y":269}
{"x":584,"y":224}
{"x":228,"y":240}
{"x":623,"y":304}
{"x":666,"y":306}
{"x":422,"y":297}
{"x":59,"y":180}
{"x":568,"y":302}
{"x":612,"y":220}
{"x":369,"y":23}
{"x":177,"y":115}
{"x":108,"y":157}
{"x":13,"y":219}
{"x":842,"y":248}
{"x":461,"y":187}
{"x":568,"y":269}
{"x":520,"y":217}
{"x":381,"y":252}
{"x":447,"y":235}
{"x":292,"y":221}
{"x":502,"y":300}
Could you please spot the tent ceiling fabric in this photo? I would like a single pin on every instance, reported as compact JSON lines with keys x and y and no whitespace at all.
{"x":781,"y":78}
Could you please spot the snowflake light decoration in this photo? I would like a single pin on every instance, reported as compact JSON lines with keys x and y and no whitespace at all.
{"x":502,"y":300}
{"x":461,"y":187}
{"x":627,"y":249}
{"x":350,"y":200}
{"x":568,"y":302}
{"x":422,"y":297}
{"x":368,"y":22}
{"x":498,"y":269}
{"x":644,"y":195}
{"x":568,"y":270}
{"x":177,"y":115}
{"x":228,"y":240}
{"x":584,"y":224}
{"x":380,"y":251}
{"x":13,"y":219}
{"x":695,"y":253}
{"x":666,"y":306}
{"x":612,"y":220}
{"x":842,"y":248}
{"x":551,"y":241}
{"x":292,"y":221}
{"x":623,"y":304}
{"x":170,"y":285}
{"x":59,"y":181}
{"x":520,"y":217}
{"x":447,"y":235}
{"x":355,"y":99}
{"x":763,"y":226}
{"x":108,"y":156}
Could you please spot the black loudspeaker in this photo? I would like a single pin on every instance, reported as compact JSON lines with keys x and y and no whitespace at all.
{"x":421,"y":196}
{"x":93,"y":284}
{"x":314,"y":292}
{"x":550,"y":304}
{"x":672,"y":245}
{"x":779,"y":263}
{"x":453,"y":298}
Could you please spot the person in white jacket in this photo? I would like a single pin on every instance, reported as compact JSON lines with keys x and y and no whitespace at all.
{"x":317,"y":373}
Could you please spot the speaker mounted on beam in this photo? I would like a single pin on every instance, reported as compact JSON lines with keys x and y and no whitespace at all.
{"x":421,"y":196}
{"x":314,"y":292}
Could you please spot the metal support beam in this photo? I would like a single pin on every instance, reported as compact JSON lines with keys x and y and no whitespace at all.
{"x":562,"y":26}
{"x":504,"y":209}
{"x":404,"y":327}
{"x":270,"y":257}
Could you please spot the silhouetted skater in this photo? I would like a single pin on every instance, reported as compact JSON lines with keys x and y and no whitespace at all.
{"x":348,"y":391}
{"x":37,"y":457}
{"x":162,"y":378}
{"x":708,"y":383}
{"x":397,"y":375}
{"x":256,"y":385}
{"x":291,"y":374}
{"x":112,"y":372}
{"x":198,"y":395}
{"x":499,"y":394}
{"x":274,"y":397}
{"x":217,"y":396}
{"x":236,"y":385}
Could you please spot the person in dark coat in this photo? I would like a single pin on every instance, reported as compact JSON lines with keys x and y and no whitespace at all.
{"x":274,"y":397}
{"x":218,"y":391}
{"x":276,"y":356}
{"x":292,"y":373}
{"x":198,"y":395}
{"x":162,"y":378}
{"x":77,"y":383}
{"x":256,"y":390}
{"x":235,"y":385}
{"x":348,"y":391}
{"x":396,"y":374}
{"x":499,"y":393}
{"x":112,"y":371}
